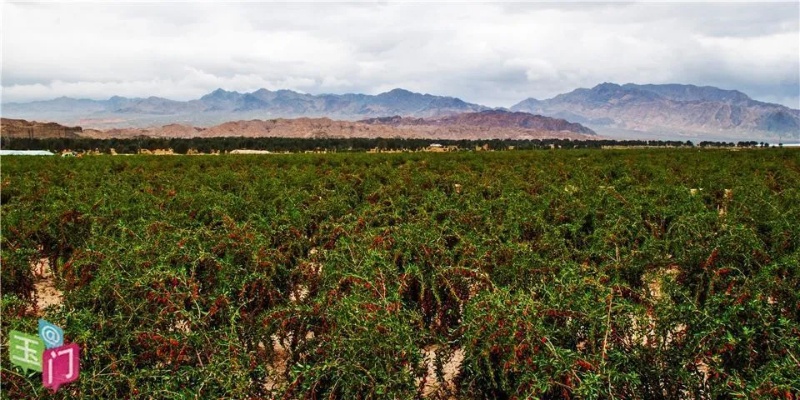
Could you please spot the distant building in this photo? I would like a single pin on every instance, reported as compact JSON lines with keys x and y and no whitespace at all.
{"x":248,"y":151}
{"x":438,"y":148}
{"x":25,"y":153}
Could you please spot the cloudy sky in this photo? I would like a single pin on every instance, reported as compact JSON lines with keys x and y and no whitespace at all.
{"x":494,"y":54}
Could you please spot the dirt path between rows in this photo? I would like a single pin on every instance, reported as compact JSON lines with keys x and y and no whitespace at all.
{"x":45,"y":291}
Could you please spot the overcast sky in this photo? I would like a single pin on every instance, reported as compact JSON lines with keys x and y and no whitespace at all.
{"x":492,"y":54}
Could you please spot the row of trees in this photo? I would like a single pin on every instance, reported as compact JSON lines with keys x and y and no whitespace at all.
{"x":226,"y":144}
{"x":750,"y":144}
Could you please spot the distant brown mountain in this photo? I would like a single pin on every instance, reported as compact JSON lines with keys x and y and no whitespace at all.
{"x":684,"y":109}
{"x":481,"y":125}
{"x":19,"y":128}
{"x":489,"y":119}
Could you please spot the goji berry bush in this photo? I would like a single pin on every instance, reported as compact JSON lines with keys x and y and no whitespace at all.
{"x":652,"y":274}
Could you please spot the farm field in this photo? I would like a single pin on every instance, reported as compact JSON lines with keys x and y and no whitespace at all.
{"x":651,"y":274}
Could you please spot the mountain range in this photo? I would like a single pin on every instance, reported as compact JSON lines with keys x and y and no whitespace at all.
{"x":489,"y":124}
{"x":685,"y":109}
{"x":222,"y":106}
{"x":630,"y":110}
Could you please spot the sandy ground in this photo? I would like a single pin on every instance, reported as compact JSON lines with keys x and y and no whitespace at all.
{"x":434,"y":388}
{"x":46,"y":293}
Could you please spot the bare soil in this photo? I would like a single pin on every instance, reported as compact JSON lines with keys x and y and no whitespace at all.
{"x":45,"y":291}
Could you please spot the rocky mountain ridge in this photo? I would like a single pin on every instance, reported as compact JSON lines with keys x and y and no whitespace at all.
{"x":684,"y":109}
{"x":481,"y":125}
{"x":18,"y":128}
{"x":488,"y":119}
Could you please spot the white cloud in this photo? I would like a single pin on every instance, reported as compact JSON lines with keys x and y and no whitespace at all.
{"x":494,"y":54}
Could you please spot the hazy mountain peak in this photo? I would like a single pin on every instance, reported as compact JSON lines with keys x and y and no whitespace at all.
{"x":399,"y":91}
{"x":680,"y":92}
{"x":607,"y":86}
{"x":220,"y":93}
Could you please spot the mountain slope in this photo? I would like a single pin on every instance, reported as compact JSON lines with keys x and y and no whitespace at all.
{"x":18,"y":128}
{"x":489,"y":119}
{"x":684,"y":109}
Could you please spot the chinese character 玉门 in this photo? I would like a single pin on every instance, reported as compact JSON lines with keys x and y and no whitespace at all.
{"x":25,"y":350}
{"x":60,"y":365}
